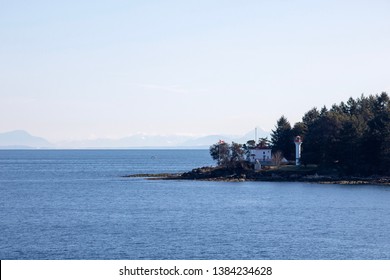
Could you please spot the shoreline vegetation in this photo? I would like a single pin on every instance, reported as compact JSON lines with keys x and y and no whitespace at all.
{"x":288,"y":173}
{"x":346,"y":144}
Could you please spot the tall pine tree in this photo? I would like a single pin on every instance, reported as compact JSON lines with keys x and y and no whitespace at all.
{"x":282,"y":139}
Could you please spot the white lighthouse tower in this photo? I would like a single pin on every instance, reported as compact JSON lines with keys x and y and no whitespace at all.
{"x":298,"y":143}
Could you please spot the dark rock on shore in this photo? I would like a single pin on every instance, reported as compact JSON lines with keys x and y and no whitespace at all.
{"x":153,"y":175}
{"x":216,"y":173}
{"x":243,"y":173}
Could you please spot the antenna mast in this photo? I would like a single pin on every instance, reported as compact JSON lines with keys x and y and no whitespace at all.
{"x":255,"y":135}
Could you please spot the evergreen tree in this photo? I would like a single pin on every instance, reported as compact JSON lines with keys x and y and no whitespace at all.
{"x":299,"y":129}
{"x":321,"y":140}
{"x":353,"y":137}
{"x":377,"y":140}
{"x":282,"y":138}
{"x":351,"y":133}
{"x":310,"y":117}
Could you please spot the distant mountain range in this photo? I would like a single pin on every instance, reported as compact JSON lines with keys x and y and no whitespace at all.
{"x":20,"y":139}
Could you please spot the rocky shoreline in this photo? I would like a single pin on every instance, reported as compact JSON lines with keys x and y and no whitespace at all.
{"x":241,"y":175}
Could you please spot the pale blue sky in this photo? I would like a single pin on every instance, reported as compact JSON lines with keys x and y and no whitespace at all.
{"x":85,"y":69}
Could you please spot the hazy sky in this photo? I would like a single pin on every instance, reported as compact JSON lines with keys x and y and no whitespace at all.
{"x":85,"y":69}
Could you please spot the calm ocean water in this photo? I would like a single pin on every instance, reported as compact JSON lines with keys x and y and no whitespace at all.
{"x":74,"y":204}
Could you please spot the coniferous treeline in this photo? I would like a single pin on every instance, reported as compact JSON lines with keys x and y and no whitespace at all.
{"x":352,"y":138}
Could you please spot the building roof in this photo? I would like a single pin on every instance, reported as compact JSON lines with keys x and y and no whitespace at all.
{"x":258,"y":147}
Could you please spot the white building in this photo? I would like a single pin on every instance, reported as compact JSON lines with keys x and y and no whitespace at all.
{"x":262,"y":154}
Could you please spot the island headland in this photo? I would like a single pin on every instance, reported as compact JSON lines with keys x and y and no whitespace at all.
{"x":307,"y":174}
{"x":346,"y":144}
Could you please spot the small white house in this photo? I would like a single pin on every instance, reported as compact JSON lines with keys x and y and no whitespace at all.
{"x":262,"y":155}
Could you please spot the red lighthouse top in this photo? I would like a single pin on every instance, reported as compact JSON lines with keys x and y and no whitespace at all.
{"x":298,"y":139}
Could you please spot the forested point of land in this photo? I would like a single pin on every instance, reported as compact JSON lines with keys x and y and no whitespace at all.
{"x":351,"y":138}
